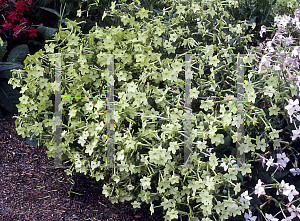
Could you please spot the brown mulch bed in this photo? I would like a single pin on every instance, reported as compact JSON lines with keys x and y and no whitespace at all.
{"x":31,"y":189}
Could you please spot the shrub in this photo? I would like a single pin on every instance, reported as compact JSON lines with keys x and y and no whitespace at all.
{"x":149,"y":93}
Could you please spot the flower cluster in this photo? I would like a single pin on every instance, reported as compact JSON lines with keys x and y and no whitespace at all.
{"x":287,"y":61}
{"x":13,"y":18}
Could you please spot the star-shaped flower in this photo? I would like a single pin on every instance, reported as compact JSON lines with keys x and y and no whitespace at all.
{"x":259,"y":189}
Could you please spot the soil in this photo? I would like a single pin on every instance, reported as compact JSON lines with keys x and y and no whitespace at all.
{"x":31,"y":189}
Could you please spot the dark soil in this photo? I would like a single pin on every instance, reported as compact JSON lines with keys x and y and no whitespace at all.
{"x":31,"y":189}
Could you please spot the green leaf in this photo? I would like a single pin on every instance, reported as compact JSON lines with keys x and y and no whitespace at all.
{"x":6,"y":67}
{"x":9,"y":97}
{"x":3,"y":46}
{"x":278,"y":175}
{"x":51,"y":10}
{"x":18,"y":54}
{"x":63,"y":21}
{"x":32,"y":141}
{"x":47,"y":32}
{"x":35,"y":42}
{"x":264,"y":176}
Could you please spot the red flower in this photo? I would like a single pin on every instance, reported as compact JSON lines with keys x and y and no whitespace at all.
{"x":7,"y":25}
{"x":23,"y":21}
{"x":12,"y":16}
{"x":19,"y":6}
{"x":20,"y":13}
{"x":28,"y":2}
{"x":32,"y":32}
{"x":16,"y":16}
{"x":18,"y":28}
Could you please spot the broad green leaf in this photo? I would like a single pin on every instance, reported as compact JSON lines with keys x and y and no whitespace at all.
{"x":18,"y":54}
{"x":7,"y":67}
{"x":47,"y":32}
{"x":51,"y":10}
{"x":9,"y":97}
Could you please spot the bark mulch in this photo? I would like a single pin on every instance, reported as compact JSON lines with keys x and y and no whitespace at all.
{"x":31,"y":189}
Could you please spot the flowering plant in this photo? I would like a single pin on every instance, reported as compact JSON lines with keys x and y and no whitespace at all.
{"x":11,"y":17}
{"x":280,"y":57}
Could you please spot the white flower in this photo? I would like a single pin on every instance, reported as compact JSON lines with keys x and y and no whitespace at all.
{"x":295,"y":171}
{"x":269,"y":217}
{"x":263,"y":29}
{"x":208,"y":150}
{"x":289,"y":218}
{"x":296,"y":133}
{"x":295,"y":51}
{"x":277,"y":68}
{"x":289,"y":191}
{"x":289,"y":40}
{"x":282,"y":159}
{"x":270,"y":47}
{"x":291,"y":106}
{"x":297,"y":13}
{"x":270,"y":163}
{"x":249,"y":217}
{"x":282,"y":20}
{"x":225,"y":162}
{"x":293,"y":211}
{"x":245,"y":198}
{"x":295,"y":20}
{"x":265,"y":61}
{"x":259,"y":189}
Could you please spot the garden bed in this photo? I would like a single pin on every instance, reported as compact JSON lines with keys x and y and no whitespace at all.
{"x":32,"y":190}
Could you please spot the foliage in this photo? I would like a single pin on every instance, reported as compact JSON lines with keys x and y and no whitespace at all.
{"x":9,"y":97}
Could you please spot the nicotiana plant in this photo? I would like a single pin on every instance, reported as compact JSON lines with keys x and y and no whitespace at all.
{"x":280,"y":59}
{"x":149,"y":99}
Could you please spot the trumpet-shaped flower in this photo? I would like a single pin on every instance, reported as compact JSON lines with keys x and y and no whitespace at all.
{"x":249,"y":217}
{"x":295,"y":211}
{"x":282,"y":159}
{"x":245,"y":198}
{"x":270,"y":217}
{"x":295,"y":171}
{"x":289,"y":190}
{"x":259,"y":189}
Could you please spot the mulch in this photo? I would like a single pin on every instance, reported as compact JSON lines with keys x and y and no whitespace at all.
{"x":31,"y":189}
